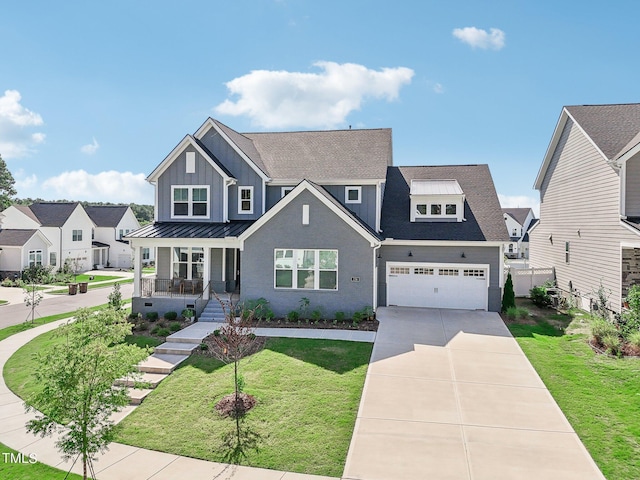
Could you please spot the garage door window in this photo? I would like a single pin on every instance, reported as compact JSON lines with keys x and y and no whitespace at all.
{"x":473,"y":273}
{"x":448,"y":272}
{"x":399,"y":270}
{"x":306,"y":269}
{"x":423,"y":271}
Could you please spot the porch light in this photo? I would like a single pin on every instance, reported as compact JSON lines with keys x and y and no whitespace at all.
{"x":463,"y":255}
{"x":410,"y":254}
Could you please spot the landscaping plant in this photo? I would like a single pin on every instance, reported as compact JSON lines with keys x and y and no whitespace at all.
{"x":539,"y":296}
{"x":509,"y":296}
{"x":77,"y":376}
{"x":115,"y":297}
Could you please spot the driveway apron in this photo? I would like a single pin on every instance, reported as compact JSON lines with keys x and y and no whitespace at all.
{"x":450,"y":395}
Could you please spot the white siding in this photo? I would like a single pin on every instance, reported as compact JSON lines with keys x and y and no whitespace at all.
{"x":580,"y":204}
{"x":632,"y":193}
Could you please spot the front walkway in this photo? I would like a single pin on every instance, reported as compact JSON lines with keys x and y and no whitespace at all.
{"x":450,"y":395}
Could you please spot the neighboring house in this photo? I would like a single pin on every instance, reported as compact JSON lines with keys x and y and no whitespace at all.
{"x":322,"y":216}
{"x":518,"y":222}
{"x":112,"y":223}
{"x":20,"y":248}
{"x":589,"y":184}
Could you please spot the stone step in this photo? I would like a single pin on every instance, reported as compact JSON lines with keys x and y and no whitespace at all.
{"x":176,"y":348}
{"x":150,"y":379}
{"x":194,"y":333}
{"x":137,"y":395}
{"x":161,"y":363}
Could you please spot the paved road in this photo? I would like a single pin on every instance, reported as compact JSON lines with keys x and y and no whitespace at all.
{"x":450,"y":395}
{"x":17,"y":312}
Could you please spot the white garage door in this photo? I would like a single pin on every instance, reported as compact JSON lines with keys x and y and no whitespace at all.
{"x":438,"y":286}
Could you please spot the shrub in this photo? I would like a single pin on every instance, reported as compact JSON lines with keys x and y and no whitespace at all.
{"x":151,"y":316}
{"x":7,"y":282}
{"x":508,"y":296}
{"x":339,"y":316}
{"x":522,"y":312}
{"x":174,"y":326}
{"x":512,"y":312}
{"x":612,"y":344}
{"x":293,"y":316}
{"x":154,"y":330}
{"x":539,"y":296}
{"x":204,"y":346}
{"x":601,"y":328}
{"x":368,"y":313}
{"x":316,"y":314}
{"x":634,"y":339}
{"x":38,"y":274}
{"x":357,"y":317}
{"x":163,"y":332}
{"x":259,"y":307}
{"x":629,"y":322}
{"x":142,"y":326}
{"x":188,"y":313}
{"x":170,"y":316}
{"x":133,"y":316}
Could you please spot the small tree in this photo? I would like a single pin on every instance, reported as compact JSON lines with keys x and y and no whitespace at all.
{"x":115,"y":297}
{"x":32,"y":299}
{"x":77,"y":379}
{"x":508,"y":296}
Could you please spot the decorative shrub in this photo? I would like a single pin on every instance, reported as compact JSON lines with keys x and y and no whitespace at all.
{"x":316,"y":314}
{"x":601,"y":328}
{"x":357,"y":317}
{"x":522,"y":312}
{"x":629,"y":322}
{"x":188,"y":313}
{"x":7,"y":282}
{"x":508,"y":296}
{"x":612,"y":344}
{"x":634,"y":339}
{"x":260,"y":308}
{"x":174,"y":326}
{"x":339,"y":316}
{"x":163,"y":332}
{"x":539,"y":296}
{"x":204,"y":346}
{"x":170,"y":316}
{"x":293,"y":316}
{"x":154,"y":330}
{"x":151,"y":316}
{"x":368,"y":313}
{"x":512,"y":312}
{"x":142,"y":326}
{"x":133,"y":316}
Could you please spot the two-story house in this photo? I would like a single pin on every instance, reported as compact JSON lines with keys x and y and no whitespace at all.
{"x":292,"y":215}
{"x":518,"y":222}
{"x":589,"y":227}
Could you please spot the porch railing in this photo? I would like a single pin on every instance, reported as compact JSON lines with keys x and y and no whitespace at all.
{"x":170,"y":287}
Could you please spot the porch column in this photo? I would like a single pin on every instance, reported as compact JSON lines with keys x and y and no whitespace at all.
{"x":206,"y":273}
{"x":137,"y":270}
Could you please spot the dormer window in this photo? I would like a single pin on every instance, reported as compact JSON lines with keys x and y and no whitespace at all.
{"x":436,"y":200}
{"x":352,"y":194}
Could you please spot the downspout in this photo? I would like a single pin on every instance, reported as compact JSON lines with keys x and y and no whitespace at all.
{"x":374,"y":304}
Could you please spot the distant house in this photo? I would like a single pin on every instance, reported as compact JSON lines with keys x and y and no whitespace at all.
{"x":20,"y":248}
{"x":321,"y":216}
{"x":112,"y":223}
{"x":589,"y":185}
{"x":518,"y":222}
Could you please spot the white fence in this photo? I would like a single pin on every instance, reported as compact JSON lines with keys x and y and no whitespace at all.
{"x":524,"y":279}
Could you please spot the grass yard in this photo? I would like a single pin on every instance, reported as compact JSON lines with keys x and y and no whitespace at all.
{"x":87,"y":278}
{"x":600,"y":396}
{"x":26,"y":471}
{"x":308,"y":392}
{"x":91,"y":286}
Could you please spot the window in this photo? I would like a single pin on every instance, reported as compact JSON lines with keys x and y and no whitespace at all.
{"x":473,"y":272}
{"x":190,"y":202}
{"x":352,"y":194}
{"x":52,"y":258}
{"x":76,"y":235}
{"x":566,"y":252}
{"x":436,"y":209}
{"x":35,"y":257}
{"x":511,"y":248}
{"x":514,"y":232}
{"x":188,"y":262}
{"x":448,"y":272}
{"x":306,"y":269}
{"x":145,"y":254}
{"x":399,"y":270}
{"x":245,"y":199}
{"x":450,"y":209}
{"x":422,"y":271}
{"x":421,"y":209}
{"x":284,"y":191}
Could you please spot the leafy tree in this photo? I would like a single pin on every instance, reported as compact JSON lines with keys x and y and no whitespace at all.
{"x":7,"y":189}
{"x":508,"y":296}
{"x":77,"y":376}
{"x":32,"y":298}
{"x":115,"y":297}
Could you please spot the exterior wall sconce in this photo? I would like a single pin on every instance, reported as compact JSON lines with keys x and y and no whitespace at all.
{"x":463,"y":255}
{"x":410,"y":254}
{"x":551,"y":238}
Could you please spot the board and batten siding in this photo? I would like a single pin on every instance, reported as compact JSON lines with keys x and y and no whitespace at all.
{"x":579,"y":204}
{"x":175,"y":175}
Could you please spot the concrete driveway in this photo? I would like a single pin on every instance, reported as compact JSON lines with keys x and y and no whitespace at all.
{"x":450,"y":395}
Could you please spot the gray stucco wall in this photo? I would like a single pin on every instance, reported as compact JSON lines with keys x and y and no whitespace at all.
{"x":204,"y":174}
{"x":452,"y":254}
{"x":325,"y":231}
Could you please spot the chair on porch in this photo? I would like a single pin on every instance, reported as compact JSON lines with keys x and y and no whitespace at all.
{"x":196,"y":286}
{"x":177,"y":285}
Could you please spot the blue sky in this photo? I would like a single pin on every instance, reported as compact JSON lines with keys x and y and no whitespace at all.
{"x":93,"y":95}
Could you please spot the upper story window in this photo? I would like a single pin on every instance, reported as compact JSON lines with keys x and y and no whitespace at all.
{"x":190,"y":201}
{"x":352,"y":194}
{"x":245,"y":200}
{"x":514,"y":232}
{"x":285,"y":190}
{"x":76,"y":235}
{"x":436,"y":200}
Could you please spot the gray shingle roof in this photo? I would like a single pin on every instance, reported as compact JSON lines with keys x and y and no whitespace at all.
{"x":325,"y":155}
{"x":518,"y":214}
{"x":14,"y":237}
{"x":484,"y":221}
{"x":244,"y":144}
{"x":106,"y":215}
{"x":27,"y":211}
{"x":191,"y":230}
{"x":53,"y":214}
{"x":613,"y":128}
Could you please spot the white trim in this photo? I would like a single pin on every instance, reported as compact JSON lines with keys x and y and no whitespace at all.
{"x":283,"y":182}
{"x":190,"y":214}
{"x":224,"y":266}
{"x":190,"y":161}
{"x":346,"y":194}
{"x":169,"y":159}
{"x":378,"y":204}
{"x":285,"y":190}
{"x":629,"y":227}
{"x":316,"y":269}
{"x":264,"y":197}
{"x":374,"y":304}
{"x":228,"y":242}
{"x":307,"y":186}
{"x":210,"y":123}
{"x":305,"y":214}
{"x":623,"y":189}
{"x":242,"y":188}
{"x":442,"y":243}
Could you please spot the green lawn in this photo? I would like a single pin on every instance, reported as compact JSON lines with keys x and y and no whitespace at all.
{"x":96,"y":278}
{"x":26,"y":471}
{"x":91,"y":286}
{"x":600,"y":396}
{"x":308,"y":393}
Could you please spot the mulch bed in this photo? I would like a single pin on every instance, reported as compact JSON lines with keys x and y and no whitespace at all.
{"x":364,"y":325}
{"x":227,"y":407}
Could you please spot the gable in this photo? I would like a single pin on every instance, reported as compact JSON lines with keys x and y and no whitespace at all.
{"x":106,"y":215}
{"x":18,"y":216}
{"x":54,"y":214}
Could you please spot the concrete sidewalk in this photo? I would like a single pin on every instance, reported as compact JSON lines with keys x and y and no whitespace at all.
{"x":120,"y":461}
{"x":450,"y":395}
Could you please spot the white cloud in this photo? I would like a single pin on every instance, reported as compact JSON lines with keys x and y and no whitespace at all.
{"x":438,"y":88}
{"x":15,"y":121}
{"x":25,"y":183}
{"x":479,"y":38}
{"x":90,"y":148}
{"x":282,"y":99}
{"x":110,"y":186}
{"x":520,"y":201}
